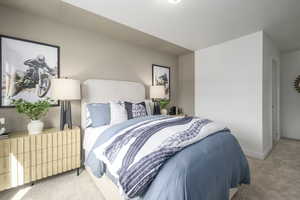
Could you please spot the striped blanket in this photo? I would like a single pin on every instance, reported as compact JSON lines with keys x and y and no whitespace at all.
{"x":135,"y":154}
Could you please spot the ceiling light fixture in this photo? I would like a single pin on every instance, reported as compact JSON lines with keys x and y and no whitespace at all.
{"x":174,"y":1}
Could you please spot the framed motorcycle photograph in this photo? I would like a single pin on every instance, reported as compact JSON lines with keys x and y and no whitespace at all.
{"x":26,"y":69}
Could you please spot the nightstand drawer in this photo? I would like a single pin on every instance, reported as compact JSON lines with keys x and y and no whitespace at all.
{"x":54,"y":153}
{"x":39,"y":142}
{"x":4,"y":165}
{"x":54,"y":139}
{"x":5,"y":181}
{"x":26,"y":175}
{"x":14,"y":146}
{"x":26,"y":144}
{"x":60,"y":166}
{"x":27,"y":159}
{"x":54,"y":167}
{"x":34,"y":157}
{"x":59,"y":152}
{"x":4,"y":148}
{"x":49,"y":155}
{"x":20,"y":145}
{"x":50,"y":168}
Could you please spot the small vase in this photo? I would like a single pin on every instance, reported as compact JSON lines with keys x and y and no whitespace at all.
{"x":35,"y":127}
{"x":164,"y":111}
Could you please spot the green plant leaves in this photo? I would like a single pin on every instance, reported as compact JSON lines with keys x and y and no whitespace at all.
{"x":33,"y":110}
{"x":164,"y":103}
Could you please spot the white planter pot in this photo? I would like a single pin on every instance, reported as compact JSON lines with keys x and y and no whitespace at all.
{"x":164,"y":111}
{"x":35,"y":127}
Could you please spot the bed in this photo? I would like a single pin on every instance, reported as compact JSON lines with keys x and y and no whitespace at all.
{"x":102,"y":91}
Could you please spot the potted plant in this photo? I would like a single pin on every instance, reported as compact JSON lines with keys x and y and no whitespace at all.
{"x":35,"y":111}
{"x":163,"y":106}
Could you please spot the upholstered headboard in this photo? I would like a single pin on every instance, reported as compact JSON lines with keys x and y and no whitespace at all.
{"x":103,"y":91}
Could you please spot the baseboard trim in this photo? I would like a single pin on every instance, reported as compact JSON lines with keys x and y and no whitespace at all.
{"x":253,"y":154}
{"x":267,"y":151}
{"x":258,"y":155}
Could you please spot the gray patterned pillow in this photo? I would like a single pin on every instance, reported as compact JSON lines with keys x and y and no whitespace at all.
{"x":135,"y":110}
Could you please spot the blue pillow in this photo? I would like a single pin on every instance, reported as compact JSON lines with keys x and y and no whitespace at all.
{"x":99,"y":114}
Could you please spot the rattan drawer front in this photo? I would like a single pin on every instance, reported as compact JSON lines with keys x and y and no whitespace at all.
{"x":54,"y":167}
{"x":25,"y":158}
{"x":27,"y":175}
{"x":39,"y":172}
{"x":4,"y":165}
{"x":26,"y":144}
{"x":5,"y":181}
{"x":4,"y":148}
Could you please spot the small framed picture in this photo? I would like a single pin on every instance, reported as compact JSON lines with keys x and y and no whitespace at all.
{"x":27,"y":68}
{"x":161,"y":76}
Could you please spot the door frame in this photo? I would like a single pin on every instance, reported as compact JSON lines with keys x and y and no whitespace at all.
{"x":278,"y":127}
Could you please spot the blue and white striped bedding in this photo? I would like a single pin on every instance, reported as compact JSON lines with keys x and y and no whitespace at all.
{"x":137,"y":151}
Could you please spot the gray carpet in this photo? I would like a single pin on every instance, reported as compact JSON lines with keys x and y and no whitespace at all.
{"x":276,"y":178}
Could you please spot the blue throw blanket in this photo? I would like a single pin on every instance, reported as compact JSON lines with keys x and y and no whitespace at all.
{"x":206,"y":166}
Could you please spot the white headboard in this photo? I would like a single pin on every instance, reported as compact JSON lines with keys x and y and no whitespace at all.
{"x":103,"y":91}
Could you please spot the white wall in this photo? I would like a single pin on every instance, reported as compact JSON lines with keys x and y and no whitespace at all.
{"x":290,"y":98}
{"x":270,"y":53}
{"x":185,"y":99}
{"x":233,"y":85}
{"x":228,"y":88}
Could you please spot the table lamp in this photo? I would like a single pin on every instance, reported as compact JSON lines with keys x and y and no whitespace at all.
{"x":156,"y":93}
{"x":65,"y":90}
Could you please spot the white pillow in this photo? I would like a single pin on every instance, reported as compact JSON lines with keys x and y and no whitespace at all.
{"x":149,"y":106}
{"x":118,"y":113}
{"x":88,"y":119}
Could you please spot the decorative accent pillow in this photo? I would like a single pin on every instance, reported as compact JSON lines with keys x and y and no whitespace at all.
{"x":118,"y":113}
{"x":99,"y":114}
{"x":135,"y":110}
{"x":149,"y":105}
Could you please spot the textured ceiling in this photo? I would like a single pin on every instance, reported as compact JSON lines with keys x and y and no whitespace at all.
{"x":196,"y":24}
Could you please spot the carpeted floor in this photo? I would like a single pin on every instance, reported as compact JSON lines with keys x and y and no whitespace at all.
{"x":276,"y":178}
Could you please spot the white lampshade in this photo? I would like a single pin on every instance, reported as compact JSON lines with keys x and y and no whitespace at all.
{"x":65,"y":89}
{"x":157,"y":92}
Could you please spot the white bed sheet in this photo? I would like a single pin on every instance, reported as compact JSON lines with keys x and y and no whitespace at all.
{"x":90,"y":136}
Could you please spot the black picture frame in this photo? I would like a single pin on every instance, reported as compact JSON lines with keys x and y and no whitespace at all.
{"x":168,"y":76}
{"x":28,"y":41}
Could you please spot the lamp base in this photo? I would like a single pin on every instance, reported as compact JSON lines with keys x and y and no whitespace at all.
{"x":65,"y":114}
{"x":156,"y":108}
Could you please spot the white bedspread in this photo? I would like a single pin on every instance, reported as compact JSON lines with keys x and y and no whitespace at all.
{"x":90,"y":136}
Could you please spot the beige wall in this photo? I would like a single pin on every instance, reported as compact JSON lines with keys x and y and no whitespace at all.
{"x":185,"y":98}
{"x":84,"y":55}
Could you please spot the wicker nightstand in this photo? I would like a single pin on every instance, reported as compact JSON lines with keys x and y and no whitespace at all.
{"x":27,"y":158}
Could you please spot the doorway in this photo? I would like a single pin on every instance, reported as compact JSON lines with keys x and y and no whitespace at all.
{"x":275,"y":102}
